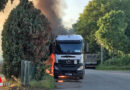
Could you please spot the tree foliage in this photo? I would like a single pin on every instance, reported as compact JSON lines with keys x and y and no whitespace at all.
{"x":111,"y":33}
{"x":2,"y":4}
{"x":26,"y":36}
{"x":87,"y":24}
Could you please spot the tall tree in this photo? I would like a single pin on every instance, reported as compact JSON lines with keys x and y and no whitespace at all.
{"x":2,"y":4}
{"x":87,"y":24}
{"x":111,"y":33}
{"x":26,"y":36}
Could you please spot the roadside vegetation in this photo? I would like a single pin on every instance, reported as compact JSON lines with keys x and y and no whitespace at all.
{"x":47,"y":83}
{"x":0,"y":68}
{"x":26,"y":35}
{"x":2,"y":4}
{"x":116,"y":63}
{"x":106,"y":23}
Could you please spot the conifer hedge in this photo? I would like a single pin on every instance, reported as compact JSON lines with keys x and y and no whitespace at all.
{"x":26,"y":36}
{"x":2,"y":4}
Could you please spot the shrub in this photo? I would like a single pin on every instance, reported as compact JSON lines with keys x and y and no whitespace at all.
{"x":26,"y":36}
{"x":116,"y":63}
{"x":2,"y":4}
{"x":47,"y":82}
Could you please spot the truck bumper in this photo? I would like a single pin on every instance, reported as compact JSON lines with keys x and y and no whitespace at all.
{"x":69,"y":71}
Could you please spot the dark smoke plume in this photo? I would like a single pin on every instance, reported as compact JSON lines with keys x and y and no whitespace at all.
{"x":52,"y":10}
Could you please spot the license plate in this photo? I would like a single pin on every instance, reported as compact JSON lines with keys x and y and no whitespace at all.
{"x":75,"y":61}
{"x":69,"y":74}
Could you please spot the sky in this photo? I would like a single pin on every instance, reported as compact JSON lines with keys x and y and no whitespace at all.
{"x":71,"y":13}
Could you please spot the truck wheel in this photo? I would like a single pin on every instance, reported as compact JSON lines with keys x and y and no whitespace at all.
{"x":56,"y":77}
{"x":85,"y":66}
{"x":81,"y":77}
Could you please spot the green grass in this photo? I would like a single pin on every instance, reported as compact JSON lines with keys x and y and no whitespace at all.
{"x":47,"y":83}
{"x":116,"y":63}
{"x":0,"y":68}
{"x":102,"y":67}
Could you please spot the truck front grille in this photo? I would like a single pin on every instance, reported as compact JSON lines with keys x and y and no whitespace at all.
{"x":68,"y":62}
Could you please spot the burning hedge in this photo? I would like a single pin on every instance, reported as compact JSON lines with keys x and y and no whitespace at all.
{"x":26,"y":36}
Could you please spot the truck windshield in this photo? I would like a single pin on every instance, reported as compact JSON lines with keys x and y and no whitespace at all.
{"x":69,"y":48}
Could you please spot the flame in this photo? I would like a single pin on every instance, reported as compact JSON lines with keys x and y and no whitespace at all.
{"x":47,"y":71}
{"x":51,"y":75}
{"x":60,"y":81}
{"x":62,"y":77}
{"x":50,"y":62}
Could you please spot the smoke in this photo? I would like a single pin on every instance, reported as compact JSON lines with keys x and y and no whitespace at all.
{"x":52,"y":9}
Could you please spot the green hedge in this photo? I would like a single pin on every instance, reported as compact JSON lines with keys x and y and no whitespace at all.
{"x":47,"y":83}
{"x":26,"y":36}
{"x":116,"y":63}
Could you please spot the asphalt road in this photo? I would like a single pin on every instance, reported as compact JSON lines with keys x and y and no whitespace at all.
{"x":98,"y":80}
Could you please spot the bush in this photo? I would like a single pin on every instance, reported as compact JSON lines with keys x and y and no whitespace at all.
{"x":116,"y":63}
{"x":2,"y":4}
{"x":47,"y":82}
{"x":26,"y":36}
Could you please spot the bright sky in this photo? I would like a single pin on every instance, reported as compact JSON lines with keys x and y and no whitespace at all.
{"x":73,"y":11}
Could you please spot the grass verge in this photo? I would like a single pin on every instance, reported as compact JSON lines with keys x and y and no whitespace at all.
{"x":103,"y":67}
{"x":116,"y":63}
{"x":47,"y":83}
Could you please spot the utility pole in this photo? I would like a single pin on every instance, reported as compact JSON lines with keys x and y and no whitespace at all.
{"x":87,"y":47}
{"x":101,"y":55}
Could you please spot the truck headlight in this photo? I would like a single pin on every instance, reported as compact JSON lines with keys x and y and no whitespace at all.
{"x":81,"y":59}
{"x":81,"y":68}
{"x":55,"y":67}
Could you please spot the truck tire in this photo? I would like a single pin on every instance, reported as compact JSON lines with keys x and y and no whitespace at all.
{"x":55,"y":76}
{"x":82,"y":77}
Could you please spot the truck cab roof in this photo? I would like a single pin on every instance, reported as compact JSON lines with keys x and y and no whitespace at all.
{"x":69,"y":38}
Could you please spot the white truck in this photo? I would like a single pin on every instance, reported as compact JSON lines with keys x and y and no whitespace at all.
{"x":69,"y":56}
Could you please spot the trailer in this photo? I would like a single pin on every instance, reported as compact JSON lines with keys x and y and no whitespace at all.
{"x":90,"y":60}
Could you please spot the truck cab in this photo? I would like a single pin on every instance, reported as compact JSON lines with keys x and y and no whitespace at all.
{"x":69,"y":56}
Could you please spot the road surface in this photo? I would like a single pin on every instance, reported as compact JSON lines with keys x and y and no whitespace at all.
{"x":98,"y":80}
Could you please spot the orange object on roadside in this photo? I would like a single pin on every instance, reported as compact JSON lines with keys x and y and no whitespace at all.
{"x":62,"y":77}
{"x":52,"y":63}
{"x":1,"y":83}
{"x":51,"y":60}
{"x":60,"y":81}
